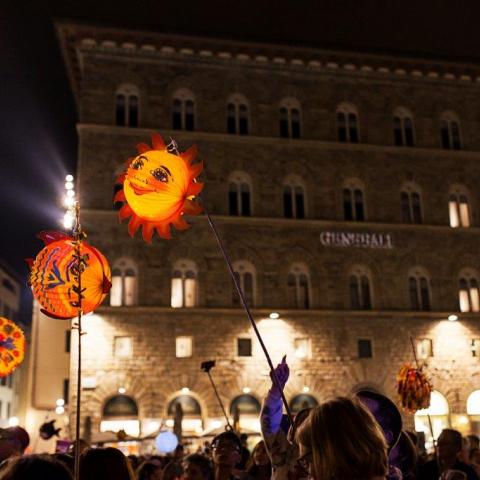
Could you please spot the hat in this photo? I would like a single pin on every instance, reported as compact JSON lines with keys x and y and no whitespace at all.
{"x":21,"y":435}
{"x":229,"y":437}
{"x":386,"y":414}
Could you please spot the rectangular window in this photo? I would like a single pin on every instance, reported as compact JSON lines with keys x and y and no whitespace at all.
{"x":244,"y":347}
{"x":122,"y":347}
{"x":183,"y":347}
{"x":453,"y":213}
{"x":3,"y":381}
{"x":66,"y":390}
{"x":425,"y":348}
{"x":116,"y":291}
{"x":302,"y":347}
{"x":190,"y":292}
{"x":130,"y":285}
{"x":177,"y":293}
{"x":9,"y":407}
{"x":68,"y":339}
{"x":475,"y":347}
{"x":365,"y":348}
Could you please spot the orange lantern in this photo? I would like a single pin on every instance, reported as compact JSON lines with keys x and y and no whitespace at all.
{"x":54,"y":276}
{"x":159,"y":189}
{"x":12,"y":346}
{"x":413,"y":388}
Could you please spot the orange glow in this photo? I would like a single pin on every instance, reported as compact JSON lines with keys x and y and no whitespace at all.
{"x":12,"y":346}
{"x":54,"y":276}
{"x":159,"y":189}
{"x":413,"y":388}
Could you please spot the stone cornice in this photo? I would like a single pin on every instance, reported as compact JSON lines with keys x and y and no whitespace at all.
{"x":77,"y":39}
{"x":195,"y":136}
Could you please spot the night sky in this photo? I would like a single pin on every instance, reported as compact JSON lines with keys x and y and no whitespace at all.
{"x":37,"y":110}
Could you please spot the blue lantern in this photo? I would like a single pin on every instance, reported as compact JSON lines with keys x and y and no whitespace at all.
{"x":166,"y":442}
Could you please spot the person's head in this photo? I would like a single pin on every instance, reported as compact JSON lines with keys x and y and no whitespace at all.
{"x":101,"y":463}
{"x":149,"y":471}
{"x":474,"y":456}
{"x":341,"y":439}
{"x":243,"y":439}
{"x":449,"y":445}
{"x":260,"y":455}
{"x":226,"y":449}
{"x":34,"y":467}
{"x":11,"y":444}
{"x":197,"y":467}
{"x":179,"y":451}
{"x":473,"y":441}
{"x":299,"y":418}
{"x":67,"y":460}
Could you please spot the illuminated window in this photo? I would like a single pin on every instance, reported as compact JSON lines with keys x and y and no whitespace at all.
{"x":468,"y":293}
{"x":289,"y":118}
{"x":245,"y":275}
{"x":411,"y":204}
{"x":359,"y":289}
{"x":244,"y":347}
{"x":122,"y":347}
{"x":184,"y":284}
{"x":124,"y":283}
{"x":183,"y":110}
{"x":239,"y":194}
{"x":183,"y":347}
{"x":419,"y":290}
{"x":459,"y":207}
{"x":120,"y":413}
{"x":403,"y":133}
{"x":347,"y":123}
{"x":439,"y":418}
{"x":293,"y":197}
{"x":365,"y":348}
{"x":450,"y":131}
{"x":237,"y":115}
{"x":298,"y":286}
{"x":475,"y":347}
{"x":424,"y":348}
{"x":126,"y":106}
{"x":302,"y":348}
{"x":353,"y":201}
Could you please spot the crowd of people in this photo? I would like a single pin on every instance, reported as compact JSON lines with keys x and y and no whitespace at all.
{"x":346,"y":438}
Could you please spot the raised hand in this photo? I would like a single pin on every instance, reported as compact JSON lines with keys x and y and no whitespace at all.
{"x":282,"y":372}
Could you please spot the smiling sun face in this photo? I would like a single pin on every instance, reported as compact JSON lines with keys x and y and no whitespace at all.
{"x":159,"y":189}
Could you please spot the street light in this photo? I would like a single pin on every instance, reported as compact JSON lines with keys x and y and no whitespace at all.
{"x":69,"y":203}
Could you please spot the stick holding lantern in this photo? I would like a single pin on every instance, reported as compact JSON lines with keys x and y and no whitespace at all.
{"x":159,"y":188}
{"x":70,"y":278}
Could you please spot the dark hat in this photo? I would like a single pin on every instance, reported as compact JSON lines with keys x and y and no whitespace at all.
{"x":404,"y":454}
{"x":21,"y":435}
{"x":228,"y":437}
{"x":386,"y":414}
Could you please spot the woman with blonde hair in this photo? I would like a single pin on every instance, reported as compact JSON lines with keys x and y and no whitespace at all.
{"x":341,"y":440}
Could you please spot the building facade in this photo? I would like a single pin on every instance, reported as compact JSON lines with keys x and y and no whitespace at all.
{"x":344,"y":188}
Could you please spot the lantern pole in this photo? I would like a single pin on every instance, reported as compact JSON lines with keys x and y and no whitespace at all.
{"x":78,"y":235}
{"x":173,"y":146}
{"x":428,"y":414}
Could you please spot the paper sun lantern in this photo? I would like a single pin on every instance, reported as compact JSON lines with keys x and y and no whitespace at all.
{"x":12,"y":346}
{"x":159,"y":189}
{"x":166,"y":442}
{"x":54,"y":276}
{"x":413,"y":388}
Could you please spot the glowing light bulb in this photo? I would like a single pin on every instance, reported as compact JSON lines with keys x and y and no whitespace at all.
{"x":69,"y":185}
{"x":68,"y":220}
{"x":70,"y":193}
{"x":60,"y":410}
{"x":60,"y":402}
{"x":185,"y":390}
{"x":274,"y":315}
{"x":69,"y":178}
{"x":246,"y":390}
{"x":13,"y":422}
{"x":452,"y":318}
{"x":122,"y":390}
{"x":305,"y":389}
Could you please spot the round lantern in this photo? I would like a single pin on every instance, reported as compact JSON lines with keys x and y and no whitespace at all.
{"x":54,"y":277}
{"x":159,"y":189}
{"x":12,"y":346}
{"x":166,"y":442}
{"x":413,"y":388}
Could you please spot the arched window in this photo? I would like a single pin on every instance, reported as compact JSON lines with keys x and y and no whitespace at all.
{"x":403,"y":133}
{"x":127,"y":105}
{"x":298,"y":286}
{"x":120,"y":413}
{"x":190,"y":410}
{"x":459,"y":207}
{"x":419,"y":289}
{"x":237,"y":115}
{"x":184,"y":284}
{"x":289,"y":120}
{"x":124,"y":283}
{"x":473,"y":411}
{"x":347,"y":123}
{"x":411,"y":204}
{"x":246,"y":404}
{"x":246,"y":276}
{"x":353,"y":201}
{"x":360,"y":292}
{"x":468,"y":293}
{"x":239,"y":194}
{"x":450,"y":131}
{"x":293,"y":197}
{"x":183,"y":110}
{"x":301,"y":401}
{"x":438,"y":412}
